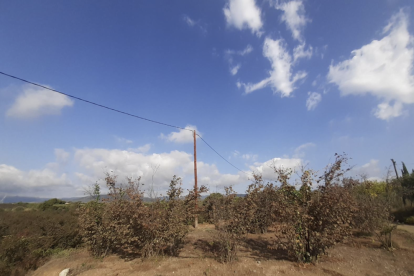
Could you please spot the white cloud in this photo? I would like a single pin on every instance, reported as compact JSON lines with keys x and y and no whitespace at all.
{"x":385,"y":111}
{"x":95,"y":162}
{"x":236,"y":153}
{"x":294,"y":17}
{"x":42,"y":183}
{"x":182,"y":136}
{"x":62,"y":156}
{"x":190,"y":22}
{"x":300,"y":151}
{"x":281,"y":77}
{"x":250,"y":157}
{"x":35,"y":102}
{"x":300,"y":52}
{"x":246,"y":50}
{"x":370,"y":170}
{"x":193,"y":23}
{"x":123,"y":140}
{"x":382,"y":68}
{"x":243,"y":52}
{"x":46,"y":182}
{"x":266,"y":168}
{"x":92,"y":163}
{"x":127,"y":163}
{"x":144,"y":148}
{"x":243,"y":14}
{"x":229,"y":57}
{"x":313,"y":100}
{"x":235,"y":69}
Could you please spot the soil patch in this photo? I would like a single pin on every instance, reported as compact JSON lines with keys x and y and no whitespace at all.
{"x":359,"y":256}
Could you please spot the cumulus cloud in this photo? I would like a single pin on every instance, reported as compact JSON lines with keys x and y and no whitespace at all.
{"x":266,"y":168}
{"x":250,"y":157}
{"x":94,"y":162}
{"x":246,"y":50}
{"x":235,"y":69}
{"x":144,"y":148}
{"x":182,"y":136}
{"x":300,"y":52}
{"x":62,"y":156}
{"x":370,"y":170}
{"x":313,"y":100}
{"x":281,"y":79}
{"x":382,"y":68}
{"x":42,"y":183}
{"x":293,"y":16}
{"x":35,"y":102}
{"x":243,"y":14}
{"x":243,"y":52}
{"x":91,"y":164}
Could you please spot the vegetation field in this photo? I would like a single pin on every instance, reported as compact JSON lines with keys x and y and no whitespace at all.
{"x":315,"y":225}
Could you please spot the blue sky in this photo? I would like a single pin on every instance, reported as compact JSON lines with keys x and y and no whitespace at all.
{"x":264,"y":82}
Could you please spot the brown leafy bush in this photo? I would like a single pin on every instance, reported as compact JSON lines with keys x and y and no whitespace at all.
{"x":195,"y":212}
{"x":211,"y":207}
{"x":232,"y":227}
{"x":307,"y":223}
{"x":123,"y":224}
{"x":260,"y":199}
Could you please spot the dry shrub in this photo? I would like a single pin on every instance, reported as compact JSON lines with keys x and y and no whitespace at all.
{"x":124,"y":225}
{"x":211,"y":207}
{"x":309,"y":222}
{"x":374,"y":212}
{"x":259,"y":199}
{"x":192,"y":210}
{"x":233,"y":227}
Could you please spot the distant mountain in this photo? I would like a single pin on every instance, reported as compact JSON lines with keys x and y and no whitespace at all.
{"x":15,"y":199}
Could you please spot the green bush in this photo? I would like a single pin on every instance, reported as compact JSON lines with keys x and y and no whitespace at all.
{"x":402,"y":214}
{"x":51,"y":204}
{"x":27,"y":238}
{"x":410,"y":220}
{"x":18,"y":209}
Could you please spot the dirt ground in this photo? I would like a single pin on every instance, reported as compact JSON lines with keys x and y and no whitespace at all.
{"x":360,"y":256}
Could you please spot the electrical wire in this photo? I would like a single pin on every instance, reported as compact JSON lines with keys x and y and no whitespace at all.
{"x":220,"y":155}
{"x":119,"y":111}
{"x":90,"y":102}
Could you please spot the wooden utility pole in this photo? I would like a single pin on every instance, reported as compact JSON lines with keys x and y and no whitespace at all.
{"x":395,"y":168}
{"x":195,"y":182}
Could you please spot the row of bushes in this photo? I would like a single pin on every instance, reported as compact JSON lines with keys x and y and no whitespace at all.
{"x":124,"y":225}
{"x":306,"y":222}
{"x":324,"y":211}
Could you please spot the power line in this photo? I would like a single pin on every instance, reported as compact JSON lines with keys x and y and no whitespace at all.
{"x":220,"y":155}
{"x":119,"y":111}
{"x":90,"y":102}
